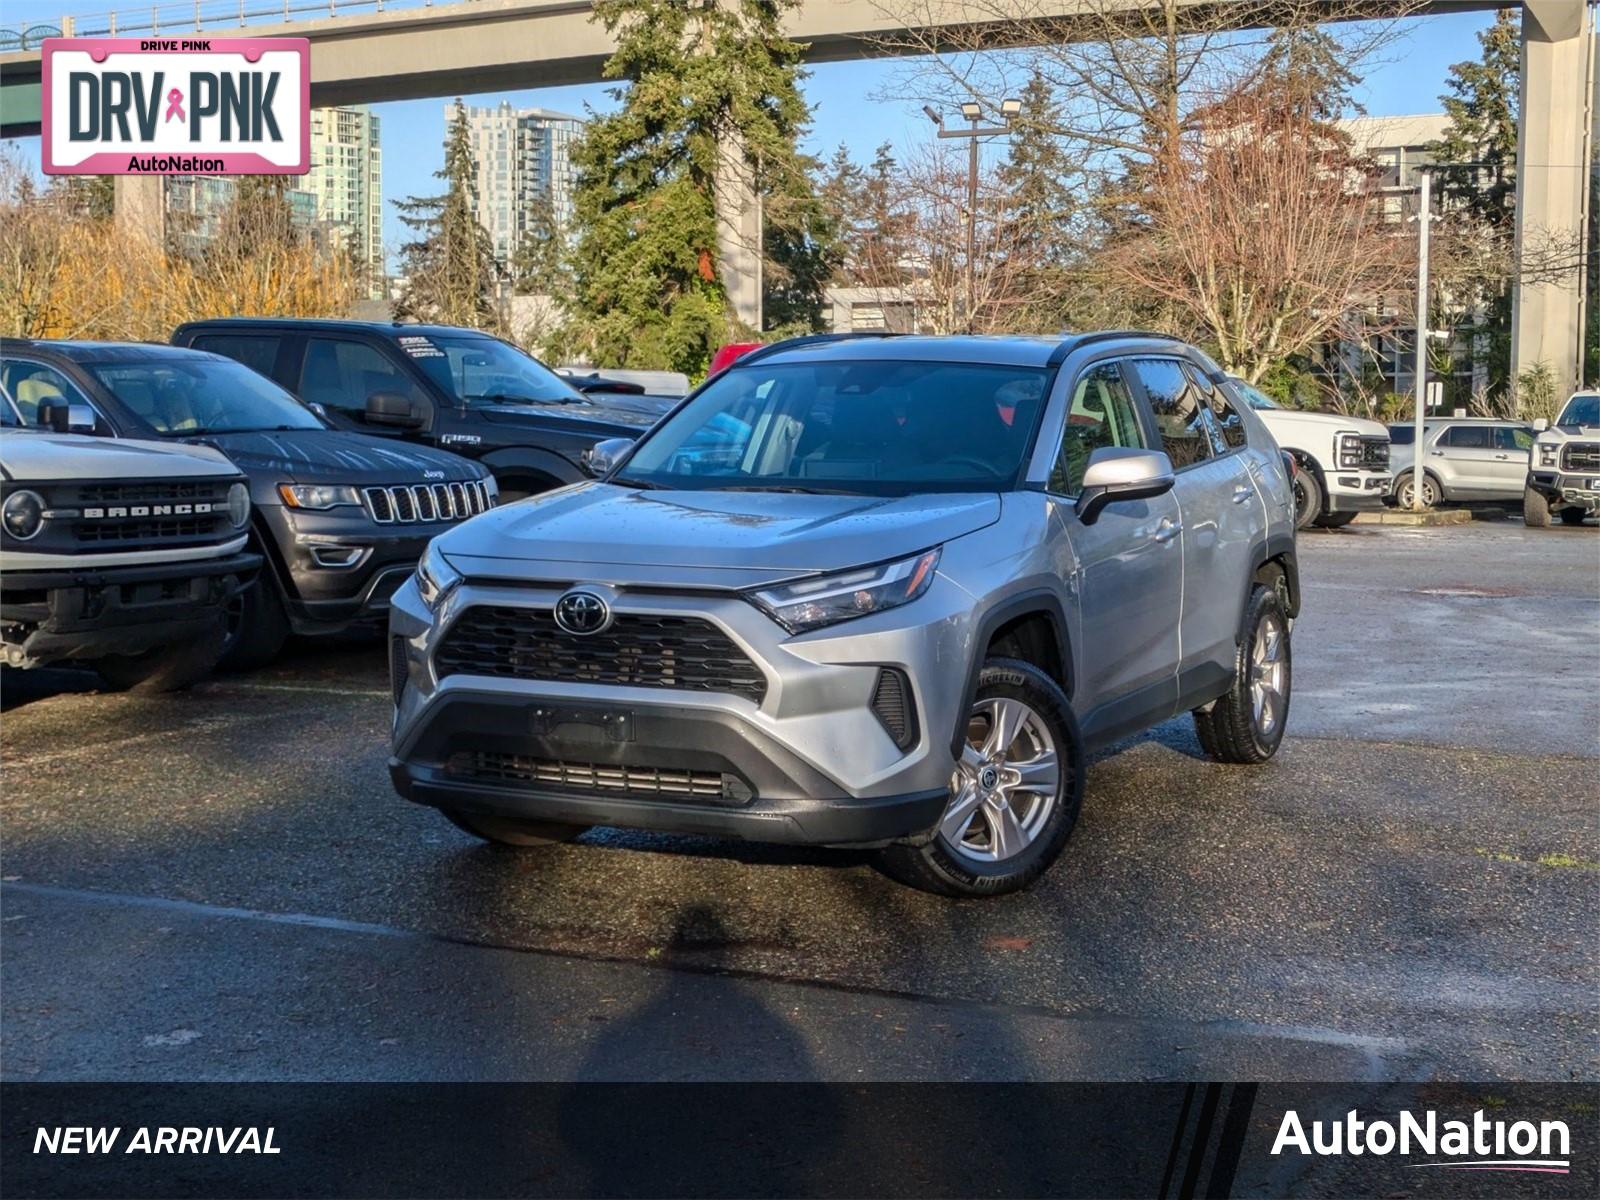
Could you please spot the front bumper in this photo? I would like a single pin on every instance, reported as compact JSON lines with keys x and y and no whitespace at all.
{"x":88,"y":613}
{"x":1558,"y":488}
{"x":809,"y":762}
{"x":1358,"y":491}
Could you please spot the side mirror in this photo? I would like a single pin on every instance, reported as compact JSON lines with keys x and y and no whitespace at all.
{"x":1116,"y":474}
{"x":391,"y":408}
{"x":1541,"y":425}
{"x":63,"y":417}
{"x":599,"y":458}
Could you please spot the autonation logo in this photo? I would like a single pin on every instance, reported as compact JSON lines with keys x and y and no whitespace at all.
{"x":1480,"y":1144}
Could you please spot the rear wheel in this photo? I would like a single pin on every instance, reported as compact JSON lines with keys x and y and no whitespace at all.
{"x":512,"y":831}
{"x":1245,"y":724}
{"x":1307,"y":498}
{"x":1014,"y":796}
{"x":1535,"y":509}
{"x":1403,"y":491}
{"x":165,"y":668}
{"x":1572,"y":516}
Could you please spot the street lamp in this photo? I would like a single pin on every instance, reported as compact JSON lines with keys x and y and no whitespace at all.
{"x":972,"y":110}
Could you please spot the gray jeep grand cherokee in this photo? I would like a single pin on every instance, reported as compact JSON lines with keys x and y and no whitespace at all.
{"x":882,"y":591}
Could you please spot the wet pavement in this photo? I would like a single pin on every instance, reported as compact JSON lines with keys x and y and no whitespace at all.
{"x":222,"y":885}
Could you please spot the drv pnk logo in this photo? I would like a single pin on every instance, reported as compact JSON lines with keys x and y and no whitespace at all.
{"x":165,"y":106}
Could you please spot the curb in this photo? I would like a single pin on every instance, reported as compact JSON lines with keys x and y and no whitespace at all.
{"x":1431,"y":516}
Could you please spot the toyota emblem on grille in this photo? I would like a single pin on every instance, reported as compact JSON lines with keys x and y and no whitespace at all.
{"x":582,"y":613}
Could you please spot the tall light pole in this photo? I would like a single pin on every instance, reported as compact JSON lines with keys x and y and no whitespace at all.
{"x":1424,"y":216}
{"x":973,"y":111}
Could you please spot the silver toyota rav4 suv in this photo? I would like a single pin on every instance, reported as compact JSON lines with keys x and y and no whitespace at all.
{"x":869,"y":591}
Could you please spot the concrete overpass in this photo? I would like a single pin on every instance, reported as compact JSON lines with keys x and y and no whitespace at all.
{"x":375,"y":53}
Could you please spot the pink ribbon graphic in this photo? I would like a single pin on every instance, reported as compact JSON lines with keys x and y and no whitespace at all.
{"x":175,"y":105}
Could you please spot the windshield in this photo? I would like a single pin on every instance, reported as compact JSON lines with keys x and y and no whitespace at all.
{"x":1582,"y":409}
{"x":1253,"y":396}
{"x":182,"y":397}
{"x":478,"y":371}
{"x":881,"y":428}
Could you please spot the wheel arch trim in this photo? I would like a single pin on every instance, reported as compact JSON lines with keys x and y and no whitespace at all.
{"x":1042,"y":601}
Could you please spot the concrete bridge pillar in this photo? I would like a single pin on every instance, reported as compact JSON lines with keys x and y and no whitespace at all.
{"x":738,"y":231}
{"x":1554,"y":141}
{"x":141,"y":207}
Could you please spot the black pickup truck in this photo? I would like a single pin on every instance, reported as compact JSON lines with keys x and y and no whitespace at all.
{"x":440,"y":385}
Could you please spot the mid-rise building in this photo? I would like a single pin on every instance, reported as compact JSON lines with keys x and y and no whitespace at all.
{"x":346,"y":178}
{"x":524,"y":156}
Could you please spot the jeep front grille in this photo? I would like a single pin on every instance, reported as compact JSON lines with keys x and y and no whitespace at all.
{"x":407,"y":504}
{"x":636,"y":650}
{"x":521,"y":770}
{"x":1581,"y":456}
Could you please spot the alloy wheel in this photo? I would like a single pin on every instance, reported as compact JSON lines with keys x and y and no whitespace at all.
{"x":1267,"y":676}
{"x":1005,"y":785}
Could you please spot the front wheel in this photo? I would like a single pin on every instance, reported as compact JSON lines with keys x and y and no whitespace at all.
{"x":257,"y":625}
{"x":1335,"y":520}
{"x":1014,"y":795}
{"x":1245,"y":724}
{"x":165,"y":668}
{"x":1308,"y":503}
{"x":1535,"y":509}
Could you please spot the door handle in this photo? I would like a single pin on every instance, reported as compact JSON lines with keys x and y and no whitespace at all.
{"x":1167,"y":530}
{"x":1241,"y":494}
{"x":1502,"y":457}
{"x":1437,"y":453}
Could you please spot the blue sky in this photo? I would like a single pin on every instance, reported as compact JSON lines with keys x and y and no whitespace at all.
{"x":840,"y":94}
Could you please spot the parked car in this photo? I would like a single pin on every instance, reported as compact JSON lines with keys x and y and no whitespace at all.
{"x":116,"y":555}
{"x":340,"y":519}
{"x":434,"y":385}
{"x":1343,"y":462}
{"x":1564,"y":471}
{"x":1464,"y":458}
{"x":931,"y":577}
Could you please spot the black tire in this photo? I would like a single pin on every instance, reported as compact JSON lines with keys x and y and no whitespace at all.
{"x":1535,"y":509}
{"x":1430,"y":492}
{"x":165,"y":668}
{"x":512,"y":831}
{"x":1572,"y":516}
{"x":1308,"y":503}
{"x":1229,"y":731}
{"x":257,"y":626}
{"x":1335,"y":520}
{"x":932,"y":863}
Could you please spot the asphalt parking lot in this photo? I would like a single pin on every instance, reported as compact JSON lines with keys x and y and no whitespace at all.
{"x":221,"y":884}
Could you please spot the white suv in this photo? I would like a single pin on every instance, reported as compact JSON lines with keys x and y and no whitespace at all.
{"x":1343,"y":461}
{"x":1564,"y":472}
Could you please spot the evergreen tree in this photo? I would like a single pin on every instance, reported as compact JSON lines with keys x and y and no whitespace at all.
{"x":1042,"y":207}
{"x":879,"y":240}
{"x":649,"y":286}
{"x":539,"y":265}
{"x":449,"y":265}
{"x":803,"y":247}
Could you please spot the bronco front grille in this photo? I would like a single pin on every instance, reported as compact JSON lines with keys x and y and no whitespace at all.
{"x":158,"y":512}
{"x":636,"y":650}
{"x":407,"y":504}
{"x":1581,"y":456}
{"x":525,"y":771}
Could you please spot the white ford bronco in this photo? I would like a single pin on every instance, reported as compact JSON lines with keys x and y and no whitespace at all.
{"x":116,"y":553}
{"x":1564,"y":467}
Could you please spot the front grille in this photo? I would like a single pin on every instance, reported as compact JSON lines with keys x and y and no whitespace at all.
{"x":1581,"y":456}
{"x":525,"y":771}
{"x":157,"y":512}
{"x":891,"y":704}
{"x":637,"y":650}
{"x":1375,"y":453}
{"x":405,"y":504}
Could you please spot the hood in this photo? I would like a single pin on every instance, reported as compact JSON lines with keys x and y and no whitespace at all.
{"x":603,"y":419}
{"x":1294,"y":418}
{"x":42,"y":457}
{"x":714,"y":538}
{"x":334,"y":456}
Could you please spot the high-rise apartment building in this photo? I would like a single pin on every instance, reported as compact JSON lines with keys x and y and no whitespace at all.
{"x":522,"y":154}
{"x":346,"y":178}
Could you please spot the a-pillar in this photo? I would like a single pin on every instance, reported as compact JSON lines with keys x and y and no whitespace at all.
{"x":1553,"y":172}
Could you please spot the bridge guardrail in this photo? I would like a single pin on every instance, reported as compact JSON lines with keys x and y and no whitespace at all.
{"x":193,"y":16}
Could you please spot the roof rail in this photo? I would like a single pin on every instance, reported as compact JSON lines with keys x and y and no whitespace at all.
{"x":809,"y":339}
{"x":1071,"y":341}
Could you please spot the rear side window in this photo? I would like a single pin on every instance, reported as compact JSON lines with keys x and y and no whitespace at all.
{"x":340,"y":374}
{"x":259,"y":352}
{"x":1102,"y":414}
{"x":1513,"y":437}
{"x":1466,"y":437}
{"x":1178,"y":408}
{"x":1402,"y":435}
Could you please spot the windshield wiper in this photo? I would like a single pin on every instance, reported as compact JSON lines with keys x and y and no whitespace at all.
{"x":784,"y":487}
{"x":508,"y":398}
{"x":643,"y":485}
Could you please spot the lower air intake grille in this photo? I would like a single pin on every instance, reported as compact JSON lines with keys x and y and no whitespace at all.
{"x":891,"y":704}
{"x":522,"y":770}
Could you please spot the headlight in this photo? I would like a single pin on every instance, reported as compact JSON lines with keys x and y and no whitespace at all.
{"x":436,"y":578}
{"x":238,"y":505}
{"x":318,"y":495}
{"x":1547,"y":454}
{"x":23,"y":514}
{"x":813,"y":603}
{"x":1349,"y":449}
